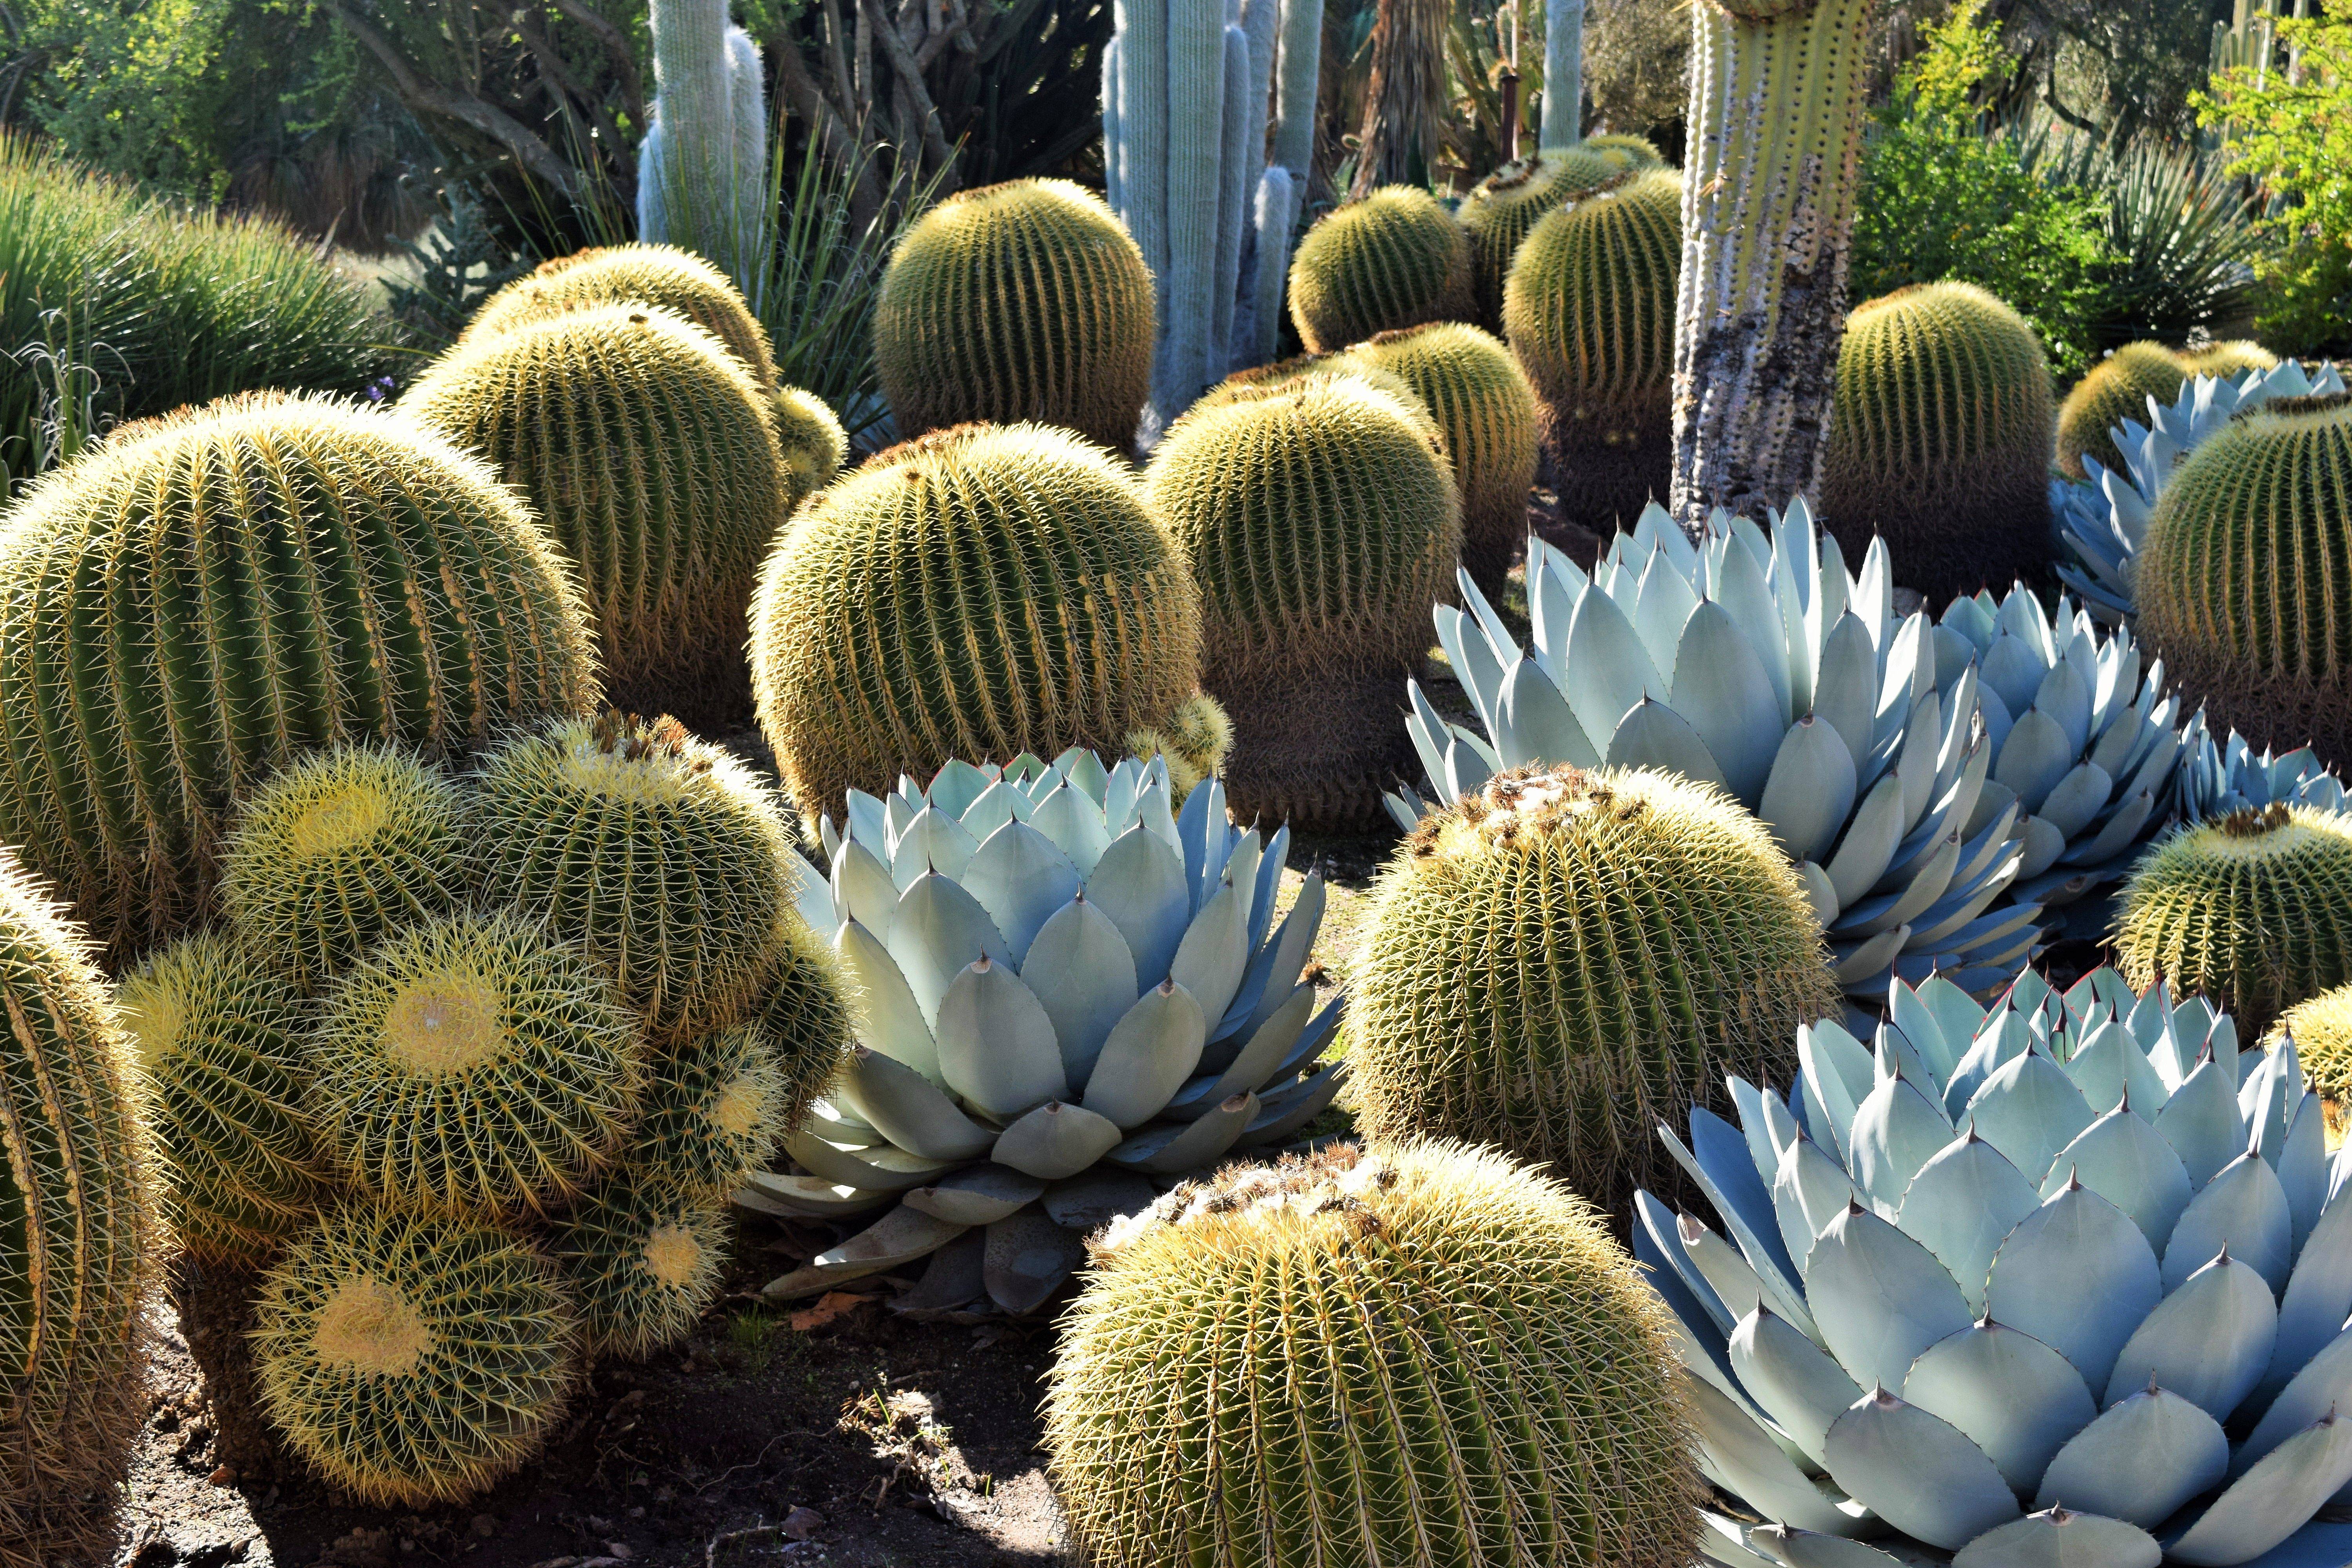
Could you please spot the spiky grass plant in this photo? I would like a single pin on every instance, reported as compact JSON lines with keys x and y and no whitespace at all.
{"x":642,"y":1256}
{"x":1026,"y":301}
{"x":981,"y":592}
{"x":339,"y":850}
{"x":661,"y":274}
{"x":660,"y":855}
{"x":214,"y":593}
{"x":216,"y":1031}
{"x":2117,"y":388}
{"x":413,"y":1360}
{"x":475,"y":1067}
{"x":1558,"y":956}
{"x":2321,"y":1027}
{"x":2253,"y":910}
{"x":1500,"y":209}
{"x":74,"y":1249}
{"x":714,"y":1110}
{"x":1391,"y":260}
{"x":1424,"y":1354}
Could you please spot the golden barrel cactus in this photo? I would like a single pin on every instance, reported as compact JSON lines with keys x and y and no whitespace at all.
{"x":642,"y":1256}
{"x":1393,"y":260}
{"x":661,"y":274}
{"x":2115,"y":389}
{"x":1500,"y":209}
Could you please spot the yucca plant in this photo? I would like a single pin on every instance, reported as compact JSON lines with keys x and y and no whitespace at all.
{"x":1065,"y":991}
{"x":2059,"y":1281}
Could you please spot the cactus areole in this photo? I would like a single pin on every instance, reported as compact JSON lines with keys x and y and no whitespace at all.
{"x":1776,"y":108}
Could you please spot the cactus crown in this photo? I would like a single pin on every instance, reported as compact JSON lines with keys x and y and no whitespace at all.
{"x":1395,"y":259}
{"x":661,"y":274}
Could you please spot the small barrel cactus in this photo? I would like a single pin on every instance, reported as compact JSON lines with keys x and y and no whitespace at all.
{"x":1322,"y":522}
{"x":473,"y":1067}
{"x":1395,"y":260}
{"x":714,"y":1111}
{"x":337,"y":851}
{"x":2321,"y":1028}
{"x":810,"y":439}
{"x":661,"y":274}
{"x":209,"y":593}
{"x":1588,"y":308}
{"x":1500,"y":209}
{"x":809,"y":1018}
{"x":2242,"y":576}
{"x":2117,"y":388}
{"x":1021,"y":301}
{"x":660,"y":855}
{"x":1940,"y":439}
{"x":1253,"y":1324}
{"x":413,"y":1360}
{"x":73,"y":1253}
{"x":1558,"y":956}
{"x":1624,"y":150}
{"x":1485,"y":407}
{"x":642,"y":1256}
{"x":981,"y":592}
{"x":217,"y":1032}
{"x":2253,"y":910}
{"x":648,"y":451}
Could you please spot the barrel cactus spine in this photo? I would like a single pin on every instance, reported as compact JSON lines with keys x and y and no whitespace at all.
{"x":1625,"y":149}
{"x":2115,"y":389}
{"x":1500,"y":209}
{"x":1345,"y":1259}
{"x":660,"y":275}
{"x":811,"y":441}
{"x":2321,"y":1028}
{"x":117,"y":783}
{"x":642,"y":1256}
{"x":2231,"y":357}
{"x":714,"y":1111}
{"x":808,"y":1019}
{"x":1391,"y":260}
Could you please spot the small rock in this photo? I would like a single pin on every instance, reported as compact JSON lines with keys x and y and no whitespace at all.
{"x":223,"y":1476}
{"x":801,"y":1523}
{"x":619,"y":1549}
{"x":485,"y":1526}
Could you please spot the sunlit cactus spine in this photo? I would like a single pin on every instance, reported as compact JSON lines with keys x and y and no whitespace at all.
{"x":2321,"y":1028}
{"x":413,"y":1360}
{"x":1625,"y":149}
{"x":715,"y":1109}
{"x":810,"y":439}
{"x":1500,"y":209}
{"x":389,"y":588}
{"x":808,"y":1017}
{"x":1307,"y":1298}
{"x":2231,"y":357}
{"x":642,"y":1256}
{"x":2115,"y":389}
{"x":216,"y":1030}
{"x":337,"y":851}
{"x":661,"y":274}
{"x":1391,"y":260}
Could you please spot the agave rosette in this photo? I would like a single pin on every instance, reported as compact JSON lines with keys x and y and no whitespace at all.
{"x":1068,"y":992}
{"x":2217,"y":777}
{"x":2103,"y":519}
{"x":1757,"y":662}
{"x":2062,"y":1280}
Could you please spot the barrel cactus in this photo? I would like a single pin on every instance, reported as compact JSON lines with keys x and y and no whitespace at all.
{"x":1624,"y":150}
{"x":2253,"y":909}
{"x":1063,"y":991}
{"x":714,"y":1111}
{"x":1026,"y":301}
{"x":642,"y":1257}
{"x":2321,"y":1028}
{"x":1561,"y":952}
{"x":73,"y":1254}
{"x":2117,"y":388}
{"x":660,"y":275}
{"x":809,"y":1018}
{"x":474,"y":1065}
{"x":981,"y":592}
{"x":2240,"y":578}
{"x":1939,"y":438}
{"x":210,"y":594}
{"x":413,"y":1360}
{"x":339,"y":850}
{"x":1322,"y":521}
{"x":1756,"y":663}
{"x":217,"y":1036}
{"x":1500,"y":209}
{"x":660,"y":855}
{"x":1393,"y":260}
{"x":2231,"y":357}
{"x":649,"y":452}
{"x":2062,"y":1280}
{"x":810,"y":439}
{"x":1346,"y":1262}
{"x":1588,"y":308}
{"x":1485,"y":407}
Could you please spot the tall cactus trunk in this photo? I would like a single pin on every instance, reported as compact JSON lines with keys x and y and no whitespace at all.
{"x":1563,"y":78}
{"x":1776,"y":111}
{"x":1406,"y":102}
{"x":702,"y":168}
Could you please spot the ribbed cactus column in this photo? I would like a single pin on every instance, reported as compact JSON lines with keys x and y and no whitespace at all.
{"x":702,"y":168}
{"x":1563,"y":80}
{"x":1775,"y":118}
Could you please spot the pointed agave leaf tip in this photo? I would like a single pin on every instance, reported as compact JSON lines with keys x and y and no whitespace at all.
{"x":2061,"y":1515}
{"x":1168,"y":987}
{"x":980,"y":964}
{"x":2073,"y":1175}
{"x":1854,"y":1206}
{"x":1687,"y":1227}
{"x":1881,"y":1399}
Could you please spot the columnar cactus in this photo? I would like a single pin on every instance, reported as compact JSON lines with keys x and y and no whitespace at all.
{"x":1560,"y":952}
{"x":73,"y":1257}
{"x":362,"y":578}
{"x":1316,"y":1304}
{"x":1395,"y":260}
{"x":1321,"y":520}
{"x":1500,"y":209}
{"x":2115,"y":389}
{"x":1024,"y":301}
{"x":1563,"y":95}
{"x":1588,"y":307}
{"x":649,"y":453}
{"x":2059,"y":1281}
{"x":1134,"y":1010}
{"x":980,"y":592}
{"x":703,"y":169}
{"x":1776,"y":93}
{"x":1939,"y":439}
{"x":661,"y":274}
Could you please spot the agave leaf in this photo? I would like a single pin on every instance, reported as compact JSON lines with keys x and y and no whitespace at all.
{"x":1917,"y":1471}
{"x":2325,"y":1384}
{"x":2209,"y":1341}
{"x":977,"y":1195}
{"x":997,"y":1048}
{"x":1255,"y":1064}
{"x":1879,"y":1298}
{"x":2111,"y":1069}
{"x":2242,"y":1210}
{"x":861,"y":888}
{"x":2139,"y":1461}
{"x":940,"y":929}
{"x":1961,"y":1206}
{"x":1081,"y":972}
{"x":1664,"y":1230}
{"x":1214,"y":952}
{"x":1868,"y":846}
{"x":1652,"y":735}
{"x":2077,"y":1274}
{"x":1809,"y":1191}
{"x":1056,"y":1141}
{"x":1810,"y":792}
{"x":2003,"y":1040}
{"x":1610,"y":669}
{"x":883,"y":1169}
{"x":2076,"y":800}
{"x":2126,"y":1161}
{"x":2007,"y":1392}
{"x":2271,"y":1502}
{"x":1704,"y":1348}
{"x":1765,"y":1126}
{"x":1791,"y":1378}
{"x":1717,"y":1162}
{"x":1089,"y":1202}
{"x":2058,"y":1539}
{"x":2302,"y":1168}
{"x":1803,"y":1549}
{"x":1723,"y":1540}
{"x":1169,"y":1148}
{"x":2201,"y":1122}
{"x":1896,"y":1133}
{"x":1275,"y":971}
{"x":1074,"y":821}
{"x":1661,"y":606}
{"x":1735,"y":1283}
{"x":909,"y":1109}
{"x":1139,"y":885}
{"x":1533,"y":723}
{"x":1721,"y":688}
{"x":1021,"y":878}
{"x":2029,"y":1110}
{"x":1147,"y":1056}
{"x":1845,"y":683}
{"x":2318,"y":1296}
{"x":1838,"y":1074}
{"x":889,"y":1019}
{"x":806,"y":1197}
{"x":1282,"y":1112}
{"x":1924,"y":1030}
{"x":899,"y":1237}
{"x":1027,"y":1258}
{"x":1742,"y":1458}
